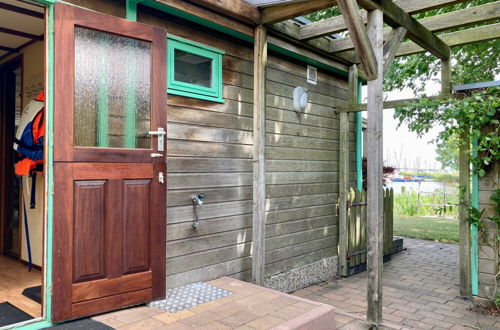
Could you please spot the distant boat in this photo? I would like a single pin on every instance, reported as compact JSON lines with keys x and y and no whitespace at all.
{"x":407,"y":178}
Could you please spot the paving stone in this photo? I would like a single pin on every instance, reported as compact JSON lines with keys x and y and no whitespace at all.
{"x":266,"y":322}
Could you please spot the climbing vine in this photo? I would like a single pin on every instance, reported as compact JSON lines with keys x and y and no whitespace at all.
{"x":473,"y":114}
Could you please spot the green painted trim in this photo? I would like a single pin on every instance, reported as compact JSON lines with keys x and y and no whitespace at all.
{"x":131,"y":10}
{"x":213,"y":93}
{"x":196,"y":96}
{"x":49,"y":175}
{"x":130,"y":102}
{"x":248,"y":38}
{"x":474,"y":231}
{"x":49,"y":131}
{"x":205,"y":48}
{"x":359,"y":142}
{"x":102,"y":98}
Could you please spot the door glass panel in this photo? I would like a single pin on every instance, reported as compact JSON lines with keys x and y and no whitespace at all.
{"x":112,"y":90}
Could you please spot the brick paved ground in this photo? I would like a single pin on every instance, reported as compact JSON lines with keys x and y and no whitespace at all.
{"x":420,"y":292}
{"x":250,"y":307}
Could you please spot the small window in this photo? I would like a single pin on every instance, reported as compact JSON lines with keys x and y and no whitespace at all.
{"x":194,"y":70}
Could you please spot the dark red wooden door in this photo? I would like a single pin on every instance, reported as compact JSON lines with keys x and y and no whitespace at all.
{"x":109,"y":164}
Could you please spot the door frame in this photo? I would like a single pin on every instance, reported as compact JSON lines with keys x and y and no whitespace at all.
{"x":6,"y":141}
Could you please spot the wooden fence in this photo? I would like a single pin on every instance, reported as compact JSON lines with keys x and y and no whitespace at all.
{"x":356,"y":230}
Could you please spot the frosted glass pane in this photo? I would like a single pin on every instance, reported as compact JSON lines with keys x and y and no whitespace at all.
{"x":193,"y":69}
{"x":112,"y":90}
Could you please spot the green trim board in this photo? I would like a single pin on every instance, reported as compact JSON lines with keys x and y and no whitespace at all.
{"x":212,"y":93}
{"x":359,"y":142}
{"x":474,"y":232}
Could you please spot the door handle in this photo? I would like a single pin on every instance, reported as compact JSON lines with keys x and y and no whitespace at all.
{"x":161,"y":137}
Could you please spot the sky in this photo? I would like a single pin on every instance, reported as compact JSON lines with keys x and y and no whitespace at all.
{"x":403,"y":148}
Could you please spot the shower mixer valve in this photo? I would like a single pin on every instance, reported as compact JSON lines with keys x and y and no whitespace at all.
{"x":197,"y":202}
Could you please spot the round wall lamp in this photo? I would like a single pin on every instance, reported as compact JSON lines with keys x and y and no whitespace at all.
{"x":300,"y":99}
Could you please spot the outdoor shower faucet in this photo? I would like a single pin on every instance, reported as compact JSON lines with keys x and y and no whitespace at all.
{"x":197,"y":202}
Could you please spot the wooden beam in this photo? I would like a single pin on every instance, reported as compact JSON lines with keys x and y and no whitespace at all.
{"x":8,"y":49}
{"x":288,"y":30}
{"x":463,"y":214}
{"x":283,"y":12}
{"x":455,"y":19}
{"x":396,"y":17}
{"x":21,"y":10}
{"x":337,"y":24}
{"x":359,"y":37}
{"x":481,"y":33}
{"x":20,"y":34}
{"x":344,"y":171}
{"x":391,"y":46}
{"x":233,"y":8}
{"x":374,"y":208}
{"x":387,"y":104}
{"x":259,"y":144}
{"x":445,"y":78}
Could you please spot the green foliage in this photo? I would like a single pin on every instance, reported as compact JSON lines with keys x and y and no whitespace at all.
{"x":410,"y":204}
{"x":447,"y":153}
{"x":434,"y":229}
{"x":472,"y":63}
{"x":497,"y":301}
{"x":475,"y":116}
{"x":322,"y":14}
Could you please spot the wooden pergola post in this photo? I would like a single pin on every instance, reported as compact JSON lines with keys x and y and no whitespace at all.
{"x":259,"y":144}
{"x":344,"y":170}
{"x":374,"y":172}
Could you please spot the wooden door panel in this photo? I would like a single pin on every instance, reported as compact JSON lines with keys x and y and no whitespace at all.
{"x":109,"y":203}
{"x":97,"y":306}
{"x":108,"y":287}
{"x":89,"y":229}
{"x":136,"y":201}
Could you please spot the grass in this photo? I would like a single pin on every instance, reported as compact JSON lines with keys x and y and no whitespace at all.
{"x":434,"y":229}
{"x":410,"y":204}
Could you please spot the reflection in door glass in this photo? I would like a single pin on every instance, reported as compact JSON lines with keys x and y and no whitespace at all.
{"x":112,"y":90}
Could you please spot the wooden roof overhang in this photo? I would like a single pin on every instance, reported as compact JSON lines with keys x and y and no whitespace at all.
{"x":21,"y":24}
{"x":403,"y":35}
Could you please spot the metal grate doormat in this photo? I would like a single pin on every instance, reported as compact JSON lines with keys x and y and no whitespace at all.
{"x":188,"y":296}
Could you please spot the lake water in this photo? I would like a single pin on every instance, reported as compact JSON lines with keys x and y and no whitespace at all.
{"x":419,"y":186}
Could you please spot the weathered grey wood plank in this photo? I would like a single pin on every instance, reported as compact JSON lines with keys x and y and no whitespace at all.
{"x":391,"y":46}
{"x":359,"y":37}
{"x":336,"y":24}
{"x":447,"y":21}
{"x":374,"y":173}
{"x":457,"y":38}
{"x":396,"y":17}
{"x":283,"y":12}
{"x":259,"y":153}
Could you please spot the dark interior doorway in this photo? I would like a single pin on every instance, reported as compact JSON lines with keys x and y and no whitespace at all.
{"x":11,"y":95}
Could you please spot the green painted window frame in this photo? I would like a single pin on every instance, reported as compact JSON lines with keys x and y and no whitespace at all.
{"x":181,"y":88}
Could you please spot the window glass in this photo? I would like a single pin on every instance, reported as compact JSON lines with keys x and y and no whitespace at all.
{"x":193,"y":69}
{"x":112,"y":90}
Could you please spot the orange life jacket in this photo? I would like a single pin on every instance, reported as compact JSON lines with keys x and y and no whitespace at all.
{"x":30,"y":137}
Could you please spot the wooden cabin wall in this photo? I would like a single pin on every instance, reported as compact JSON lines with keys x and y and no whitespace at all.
{"x":302,"y":167}
{"x":209,"y":148}
{"x":489,"y":252}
